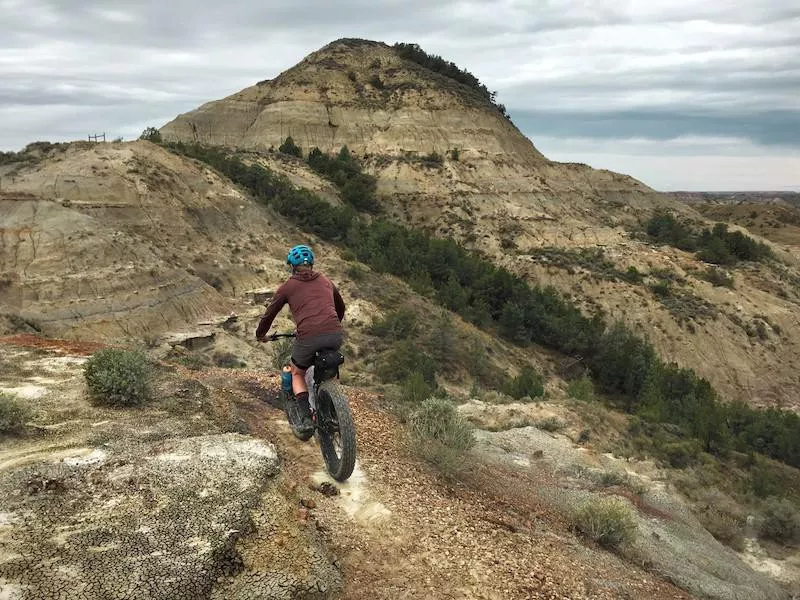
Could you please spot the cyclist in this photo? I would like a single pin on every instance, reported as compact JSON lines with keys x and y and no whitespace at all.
{"x":318,"y":309}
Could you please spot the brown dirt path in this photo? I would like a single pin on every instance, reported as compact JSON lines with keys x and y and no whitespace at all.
{"x":403,"y":531}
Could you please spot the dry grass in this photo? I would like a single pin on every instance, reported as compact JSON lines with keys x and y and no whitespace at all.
{"x":13,"y":415}
{"x":607,"y":521}
{"x":441,"y":435}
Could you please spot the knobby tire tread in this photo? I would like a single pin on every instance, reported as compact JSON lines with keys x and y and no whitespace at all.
{"x":341,"y":469}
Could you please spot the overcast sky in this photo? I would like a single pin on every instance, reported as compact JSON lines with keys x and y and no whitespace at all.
{"x":678,"y":93}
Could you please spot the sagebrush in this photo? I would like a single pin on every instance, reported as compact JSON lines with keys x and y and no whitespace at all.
{"x":607,"y":521}
{"x":396,"y":325}
{"x":724,"y":527}
{"x":781,"y":521}
{"x":12,"y":414}
{"x":415,"y":390}
{"x":438,"y":419}
{"x":581,"y":389}
{"x":281,"y":352}
{"x":442,"y":436}
{"x":228,"y":360}
{"x":404,"y":360}
{"x":528,"y":384}
{"x":194,"y":361}
{"x":550,"y":424}
{"x":119,"y":377}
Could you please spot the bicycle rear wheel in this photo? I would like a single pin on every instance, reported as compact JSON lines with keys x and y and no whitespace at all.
{"x":336,"y":431}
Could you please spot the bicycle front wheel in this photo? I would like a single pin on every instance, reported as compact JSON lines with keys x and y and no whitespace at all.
{"x":336,"y":431}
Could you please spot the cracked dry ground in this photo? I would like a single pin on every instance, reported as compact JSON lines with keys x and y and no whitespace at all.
{"x":483,"y":537}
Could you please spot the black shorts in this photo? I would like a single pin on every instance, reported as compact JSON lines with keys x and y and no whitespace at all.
{"x":303,"y":349}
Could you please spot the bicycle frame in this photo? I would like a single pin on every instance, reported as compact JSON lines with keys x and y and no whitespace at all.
{"x":326,"y":365}
{"x":332,"y":418}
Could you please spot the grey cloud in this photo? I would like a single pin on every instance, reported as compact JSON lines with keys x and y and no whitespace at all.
{"x":84,"y":98}
{"x":182,"y":22}
{"x":708,"y":167}
{"x":698,"y":86}
{"x":66,"y":122}
{"x":621,"y":69}
{"x":196,"y":24}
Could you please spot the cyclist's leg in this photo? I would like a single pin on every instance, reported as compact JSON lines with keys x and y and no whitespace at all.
{"x":298,"y":379}
{"x":302,"y":357}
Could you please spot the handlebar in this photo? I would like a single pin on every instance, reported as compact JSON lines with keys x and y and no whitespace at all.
{"x":275,"y":336}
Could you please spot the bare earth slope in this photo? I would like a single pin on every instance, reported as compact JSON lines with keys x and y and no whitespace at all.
{"x":98,"y":502}
{"x":502,"y":197}
{"x":128,"y":240}
{"x":113,"y":241}
{"x":102,"y":217}
{"x":776,"y":221}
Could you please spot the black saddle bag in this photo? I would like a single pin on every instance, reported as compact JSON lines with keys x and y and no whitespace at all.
{"x":326,"y":364}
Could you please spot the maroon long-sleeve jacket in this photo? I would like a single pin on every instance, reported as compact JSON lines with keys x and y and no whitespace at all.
{"x":317,"y":306}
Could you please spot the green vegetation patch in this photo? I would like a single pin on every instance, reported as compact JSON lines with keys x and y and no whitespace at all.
{"x":344,"y":171}
{"x":437,"y":64}
{"x":442,"y":436}
{"x":716,"y":245}
{"x":528,"y":384}
{"x":591,"y":259}
{"x":13,"y":415}
{"x":718,"y":277}
{"x":118,"y":377}
{"x":682,"y":304}
{"x":622,"y":364}
{"x":781,"y":521}
{"x":289,"y":148}
{"x":607,"y":521}
{"x":32,"y":153}
{"x":581,"y":389}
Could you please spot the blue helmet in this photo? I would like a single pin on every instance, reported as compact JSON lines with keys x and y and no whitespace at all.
{"x":300,"y":255}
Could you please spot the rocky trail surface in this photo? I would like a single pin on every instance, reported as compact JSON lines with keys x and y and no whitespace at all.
{"x":402,"y":531}
{"x":205,"y":493}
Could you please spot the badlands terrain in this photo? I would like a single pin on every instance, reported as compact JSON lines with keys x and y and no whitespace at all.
{"x":204,"y":493}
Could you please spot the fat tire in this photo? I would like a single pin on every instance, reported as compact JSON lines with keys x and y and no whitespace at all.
{"x":338,"y":468}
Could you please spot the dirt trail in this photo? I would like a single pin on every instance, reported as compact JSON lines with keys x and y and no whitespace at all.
{"x":158,"y":502}
{"x":402,"y":531}
{"x":398,"y":528}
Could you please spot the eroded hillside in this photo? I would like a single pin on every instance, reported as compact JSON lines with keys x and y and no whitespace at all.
{"x":512,"y":436}
{"x":776,"y":221}
{"x":202,"y":492}
{"x":449,"y":161}
{"x":129,"y":241}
